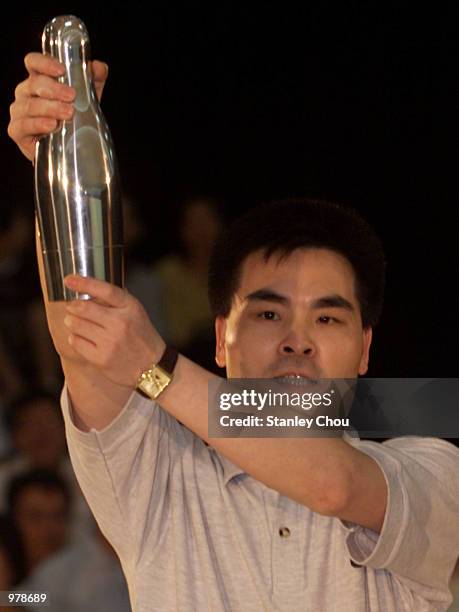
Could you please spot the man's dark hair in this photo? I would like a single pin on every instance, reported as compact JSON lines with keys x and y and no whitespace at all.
{"x":280,"y":227}
{"x":40,"y":478}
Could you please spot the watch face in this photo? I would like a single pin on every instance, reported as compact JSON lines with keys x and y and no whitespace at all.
{"x":154,"y":382}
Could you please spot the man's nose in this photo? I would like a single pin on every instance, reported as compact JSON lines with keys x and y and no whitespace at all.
{"x":297,"y":342}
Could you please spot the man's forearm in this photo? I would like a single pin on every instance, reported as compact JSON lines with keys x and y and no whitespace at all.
{"x":96,"y":400}
{"x":325,"y":474}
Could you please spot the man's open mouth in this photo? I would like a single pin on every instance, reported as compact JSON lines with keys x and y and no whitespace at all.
{"x":296,"y":379}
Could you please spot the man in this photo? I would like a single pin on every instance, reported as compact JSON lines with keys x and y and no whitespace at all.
{"x":248,"y":524}
{"x":38,"y":511}
{"x":84,"y":576}
{"x":32,"y":418}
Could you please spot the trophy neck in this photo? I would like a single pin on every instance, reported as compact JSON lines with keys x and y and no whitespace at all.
{"x":66,"y":38}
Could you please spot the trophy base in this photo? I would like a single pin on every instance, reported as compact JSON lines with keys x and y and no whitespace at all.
{"x":103,"y":263}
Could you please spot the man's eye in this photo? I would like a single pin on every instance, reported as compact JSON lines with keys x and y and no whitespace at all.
{"x":269,"y":315}
{"x":327,"y":320}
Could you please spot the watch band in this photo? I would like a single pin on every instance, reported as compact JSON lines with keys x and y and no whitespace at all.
{"x":168,"y":359}
{"x":155,"y":379}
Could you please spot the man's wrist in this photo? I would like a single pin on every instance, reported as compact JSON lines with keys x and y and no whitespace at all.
{"x":156,"y":377}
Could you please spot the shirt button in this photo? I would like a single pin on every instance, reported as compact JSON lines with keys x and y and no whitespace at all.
{"x":284,"y":532}
{"x":354,"y":564}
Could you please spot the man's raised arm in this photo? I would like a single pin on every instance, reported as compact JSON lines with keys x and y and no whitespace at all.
{"x":96,"y":400}
{"x":40,"y":103}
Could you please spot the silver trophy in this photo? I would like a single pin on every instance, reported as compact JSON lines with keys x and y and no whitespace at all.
{"x":77,"y":192}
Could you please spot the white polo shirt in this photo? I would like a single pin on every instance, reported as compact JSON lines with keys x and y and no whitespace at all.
{"x":194,"y":532}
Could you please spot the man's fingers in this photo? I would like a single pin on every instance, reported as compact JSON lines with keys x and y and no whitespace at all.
{"x":90,"y":310}
{"x":41,"y":64}
{"x":99,"y":70}
{"x":38,"y":107}
{"x":44,"y":64}
{"x":84,"y":328}
{"x":100,"y":74}
{"x":26,"y":131}
{"x":110,"y":294}
{"x":44,"y":87}
{"x":84,"y":348}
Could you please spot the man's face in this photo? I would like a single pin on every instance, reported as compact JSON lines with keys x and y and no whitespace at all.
{"x":294,"y":316}
{"x":42,"y":520}
{"x":39,"y":421}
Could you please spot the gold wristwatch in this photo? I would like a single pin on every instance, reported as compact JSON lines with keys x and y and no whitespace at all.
{"x":155,"y":379}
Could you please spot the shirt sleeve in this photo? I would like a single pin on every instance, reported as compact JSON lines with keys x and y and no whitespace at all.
{"x":419,"y":539}
{"x":123,"y":471}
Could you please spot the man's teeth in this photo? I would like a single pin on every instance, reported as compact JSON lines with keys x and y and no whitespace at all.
{"x":294,"y":379}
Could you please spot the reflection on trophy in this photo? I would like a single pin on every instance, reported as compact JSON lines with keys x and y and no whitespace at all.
{"x":77,"y":192}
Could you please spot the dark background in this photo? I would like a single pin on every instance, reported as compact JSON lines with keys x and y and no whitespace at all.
{"x":353,"y":101}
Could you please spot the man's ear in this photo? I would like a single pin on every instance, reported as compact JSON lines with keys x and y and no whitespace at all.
{"x":220,"y":348}
{"x":365,"y":358}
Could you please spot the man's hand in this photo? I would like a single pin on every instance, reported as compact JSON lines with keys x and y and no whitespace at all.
{"x":41,"y":101}
{"x":112,"y":331}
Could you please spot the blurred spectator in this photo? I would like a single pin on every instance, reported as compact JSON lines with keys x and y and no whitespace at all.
{"x":38,"y":518}
{"x":140,"y":279}
{"x":37,"y":434}
{"x":5,"y":442}
{"x":85,"y":576}
{"x":183,"y":276}
{"x":26,"y":349}
{"x":9,"y":572}
{"x":10,"y":381}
